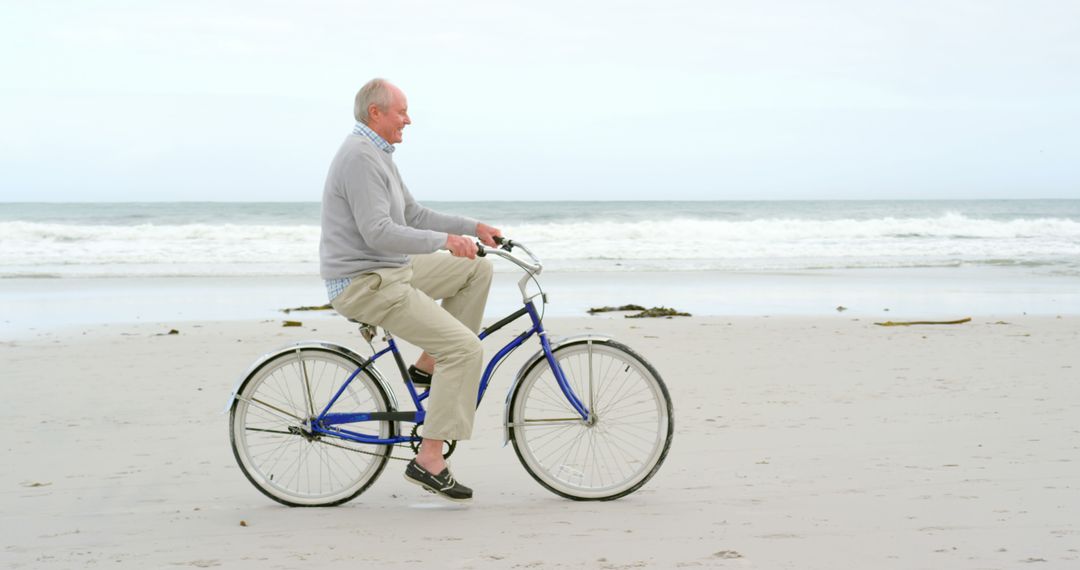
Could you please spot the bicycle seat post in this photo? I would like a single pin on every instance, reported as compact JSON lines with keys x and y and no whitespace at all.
{"x":368,"y":331}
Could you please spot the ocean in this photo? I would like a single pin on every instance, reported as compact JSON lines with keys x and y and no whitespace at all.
{"x":67,"y":265}
{"x":194,"y":239}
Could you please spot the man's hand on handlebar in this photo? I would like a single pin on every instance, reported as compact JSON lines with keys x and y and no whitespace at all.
{"x":460,"y":246}
{"x":487,"y":234}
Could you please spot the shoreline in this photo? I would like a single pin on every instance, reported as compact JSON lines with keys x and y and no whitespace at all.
{"x":34,"y":305}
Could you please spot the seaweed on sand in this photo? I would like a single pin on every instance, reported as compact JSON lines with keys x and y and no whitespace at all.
{"x":325,"y":307}
{"x":595,"y":310}
{"x":642,"y":311}
{"x":658,"y":312}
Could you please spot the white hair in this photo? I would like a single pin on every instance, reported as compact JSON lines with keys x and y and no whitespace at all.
{"x":375,"y":92}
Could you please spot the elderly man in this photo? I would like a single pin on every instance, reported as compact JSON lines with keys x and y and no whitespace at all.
{"x":377,"y":255}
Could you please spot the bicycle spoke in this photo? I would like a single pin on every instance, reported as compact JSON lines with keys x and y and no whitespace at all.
{"x":275,"y":447}
{"x":620,"y":445}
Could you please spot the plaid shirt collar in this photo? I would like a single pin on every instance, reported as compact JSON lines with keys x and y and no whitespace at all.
{"x":362,"y":129}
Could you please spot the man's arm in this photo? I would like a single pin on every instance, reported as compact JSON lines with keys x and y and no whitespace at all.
{"x":418,"y":216}
{"x":368,"y":195}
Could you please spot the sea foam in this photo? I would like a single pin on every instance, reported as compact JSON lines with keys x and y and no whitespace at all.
{"x":788,"y":243}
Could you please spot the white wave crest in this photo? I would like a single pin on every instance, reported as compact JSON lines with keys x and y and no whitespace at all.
{"x":952,"y":234}
{"x":235,"y":249}
{"x":62,"y":244}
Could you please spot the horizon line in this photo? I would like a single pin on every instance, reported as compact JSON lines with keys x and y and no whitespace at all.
{"x":5,"y":202}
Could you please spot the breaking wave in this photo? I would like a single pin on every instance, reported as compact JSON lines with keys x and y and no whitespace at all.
{"x":62,"y":249}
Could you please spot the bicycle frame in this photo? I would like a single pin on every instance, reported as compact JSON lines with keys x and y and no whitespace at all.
{"x":328,"y":423}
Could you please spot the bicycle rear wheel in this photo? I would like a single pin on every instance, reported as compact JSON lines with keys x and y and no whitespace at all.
{"x":270,"y":429}
{"x":622,"y":445}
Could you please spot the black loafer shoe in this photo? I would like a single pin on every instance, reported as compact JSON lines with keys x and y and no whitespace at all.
{"x":442,"y":484}
{"x":419,"y":378}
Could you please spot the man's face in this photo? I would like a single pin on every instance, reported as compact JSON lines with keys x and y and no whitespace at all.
{"x":390,"y":122}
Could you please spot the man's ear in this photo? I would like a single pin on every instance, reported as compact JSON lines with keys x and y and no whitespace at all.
{"x":372,"y":110}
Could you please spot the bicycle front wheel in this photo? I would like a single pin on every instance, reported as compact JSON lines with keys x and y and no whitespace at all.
{"x":270,"y":429}
{"x":623,"y":443}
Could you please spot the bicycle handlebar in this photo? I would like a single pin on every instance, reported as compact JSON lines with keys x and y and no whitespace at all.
{"x":506,"y":244}
{"x":504,"y":252}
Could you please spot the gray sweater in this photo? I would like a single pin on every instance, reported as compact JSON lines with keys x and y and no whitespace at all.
{"x":369,"y":218}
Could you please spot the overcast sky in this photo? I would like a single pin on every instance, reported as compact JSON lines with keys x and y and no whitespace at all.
{"x":246,"y":100}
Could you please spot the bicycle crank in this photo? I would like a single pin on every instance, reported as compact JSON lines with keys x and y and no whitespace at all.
{"x":415,"y":443}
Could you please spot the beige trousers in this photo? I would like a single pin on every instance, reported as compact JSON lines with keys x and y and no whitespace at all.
{"x":402,"y":301}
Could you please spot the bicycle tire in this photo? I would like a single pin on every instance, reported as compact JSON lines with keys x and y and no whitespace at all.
{"x":610,"y":458}
{"x":271,"y":447}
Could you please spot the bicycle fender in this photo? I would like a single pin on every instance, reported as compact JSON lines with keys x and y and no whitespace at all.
{"x":319,"y":344}
{"x":539,"y":355}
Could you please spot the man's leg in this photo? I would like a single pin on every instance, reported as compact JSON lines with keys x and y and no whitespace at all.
{"x":461,"y":283}
{"x":388,"y":299}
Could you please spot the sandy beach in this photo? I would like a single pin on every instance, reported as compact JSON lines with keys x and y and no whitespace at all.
{"x":178,"y":177}
{"x":801,"y":442}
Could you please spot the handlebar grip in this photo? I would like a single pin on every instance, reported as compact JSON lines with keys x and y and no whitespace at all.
{"x":498,"y":239}
{"x":480,"y":250}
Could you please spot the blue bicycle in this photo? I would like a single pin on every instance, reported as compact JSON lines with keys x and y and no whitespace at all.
{"x":314,"y":423}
